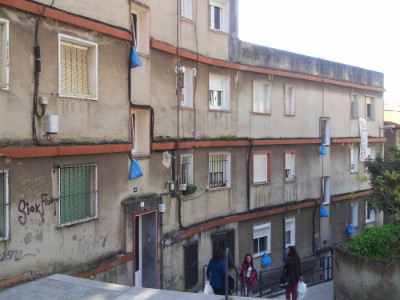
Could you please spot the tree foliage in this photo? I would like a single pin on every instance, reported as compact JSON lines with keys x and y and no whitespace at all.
{"x":384,"y":177}
{"x":377,"y":242}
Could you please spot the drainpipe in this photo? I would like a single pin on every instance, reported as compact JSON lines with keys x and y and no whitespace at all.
{"x":283,"y":233}
{"x":248,"y":173}
{"x":161,"y":252}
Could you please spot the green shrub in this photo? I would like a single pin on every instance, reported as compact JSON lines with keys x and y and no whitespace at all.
{"x":377,"y":242}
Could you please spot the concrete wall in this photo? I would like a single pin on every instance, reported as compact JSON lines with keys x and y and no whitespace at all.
{"x":359,"y":278}
{"x":80,"y":120}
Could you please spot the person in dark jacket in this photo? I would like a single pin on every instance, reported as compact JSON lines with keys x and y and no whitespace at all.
{"x":293,"y":271}
{"x":216,"y":272}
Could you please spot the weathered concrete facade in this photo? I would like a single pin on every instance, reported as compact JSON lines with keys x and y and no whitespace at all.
{"x":147,"y":227}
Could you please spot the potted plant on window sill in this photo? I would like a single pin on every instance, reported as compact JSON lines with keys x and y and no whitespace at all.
{"x":190,"y":189}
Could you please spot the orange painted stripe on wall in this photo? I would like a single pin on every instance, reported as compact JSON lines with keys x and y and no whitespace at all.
{"x":66,"y":17}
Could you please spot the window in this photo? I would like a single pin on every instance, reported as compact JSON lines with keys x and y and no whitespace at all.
{"x":354,"y":106}
{"x":290,"y":172}
{"x":191,"y":264}
{"x":140,"y":129}
{"x":325,"y":125}
{"x":261,"y":167}
{"x":326,"y":190}
{"x":224,"y":239}
{"x":371,"y":153}
{"x":187,"y":88}
{"x":77,"y":68}
{"x":398,"y":138}
{"x":369,"y":107}
{"x":290,"y":96}
{"x":78,"y":193}
{"x":261,"y":97}
{"x":219,"y":169}
{"x":219,"y":15}
{"x":186,"y":9}
{"x":140,"y":27}
{"x":219,"y":92}
{"x":369,"y":213}
{"x":354,"y":214}
{"x":261,"y":239}
{"x":4,"y":206}
{"x":354,"y":160}
{"x":4,"y":54}
{"x":187,"y":168}
{"x":290,"y":232}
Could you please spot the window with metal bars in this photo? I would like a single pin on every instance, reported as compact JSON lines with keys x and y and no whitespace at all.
{"x":78,"y":193}
{"x":4,"y":205}
{"x":187,"y":168}
{"x":224,"y":239}
{"x":77,"y":68}
{"x":219,"y":170}
{"x":191,"y":264}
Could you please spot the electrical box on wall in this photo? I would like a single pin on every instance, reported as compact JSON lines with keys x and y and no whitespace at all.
{"x":52,"y":124}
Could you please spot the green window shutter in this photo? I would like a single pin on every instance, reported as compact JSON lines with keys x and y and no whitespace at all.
{"x":74,"y":193}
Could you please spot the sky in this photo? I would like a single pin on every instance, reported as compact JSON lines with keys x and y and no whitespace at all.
{"x":361,"y":33}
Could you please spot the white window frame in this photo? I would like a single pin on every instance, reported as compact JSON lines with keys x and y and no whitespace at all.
{"x":93,"y":194}
{"x":262,"y":97}
{"x":140,"y":131}
{"x":354,"y":106}
{"x":325,"y":124}
{"x":188,"y":179}
{"x":290,"y":100}
{"x":371,"y":153}
{"x":187,"y":88}
{"x":262,"y":231}
{"x":187,"y":9}
{"x":142,"y":40}
{"x":6,"y":204}
{"x":354,"y":214}
{"x":290,"y":166}
{"x":92,"y":65}
{"x":261,"y":167}
{"x":226,"y":172}
{"x":223,"y":5}
{"x":369,"y":214}
{"x":369,"y":102}
{"x":326,"y":190}
{"x":4,"y":55}
{"x":219,"y":83}
{"x":354,"y":160}
{"x":290,"y":225}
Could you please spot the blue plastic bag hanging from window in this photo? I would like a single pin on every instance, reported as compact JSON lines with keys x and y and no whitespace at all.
{"x":323,"y":212}
{"x":266,"y":260}
{"x":135,"y":60}
{"x":135,"y":170}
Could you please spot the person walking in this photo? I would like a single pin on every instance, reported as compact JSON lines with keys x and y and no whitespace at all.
{"x":248,"y":274}
{"x":216,"y":271}
{"x":293,"y":271}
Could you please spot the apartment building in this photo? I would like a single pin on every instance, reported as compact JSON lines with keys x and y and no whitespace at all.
{"x":227,"y":135}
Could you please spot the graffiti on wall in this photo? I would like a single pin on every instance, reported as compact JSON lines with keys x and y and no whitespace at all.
{"x":13,"y":255}
{"x":26,"y":208}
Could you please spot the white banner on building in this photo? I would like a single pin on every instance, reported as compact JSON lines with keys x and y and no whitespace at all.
{"x":364,"y":139}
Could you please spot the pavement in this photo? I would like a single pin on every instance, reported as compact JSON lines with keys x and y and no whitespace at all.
{"x":63,"y":287}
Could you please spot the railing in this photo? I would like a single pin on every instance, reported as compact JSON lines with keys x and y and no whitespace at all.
{"x":238,"y":281}
{"x":314,"y":271}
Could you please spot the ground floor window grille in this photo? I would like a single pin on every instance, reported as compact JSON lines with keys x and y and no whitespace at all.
{"x":4,"y":205}
{"x":224,"y":239}
{"x":191,"y":264}
{"x":78,"y":193}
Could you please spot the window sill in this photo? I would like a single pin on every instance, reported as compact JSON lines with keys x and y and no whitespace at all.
{"x":261,"y":113}
{"x":2,"y":239}
{"x":353,"y":172}
{"x":187,"y":20}
{"x":285,"y":115}
{"x":218,"y":31}
{"x":213,"y":189}
{"x":218,"y":110}
{"x":255,"y":184}
{"x":140,"y":154}
{"x":289,"y":180}
{"x":260,"y":254}
{"x":81,"y":221}
{"x":78,"y":97}
{"x":367,"y":222}
{"x":186,"y":108}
